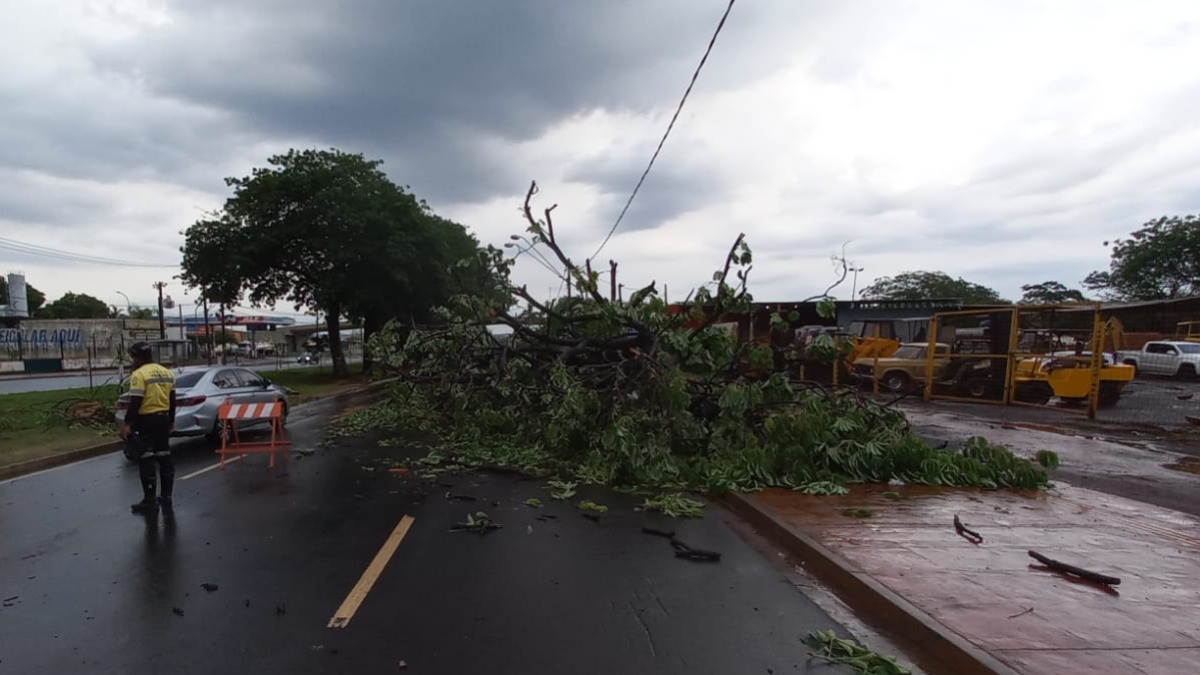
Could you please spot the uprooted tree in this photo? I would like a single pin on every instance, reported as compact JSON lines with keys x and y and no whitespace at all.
{"x":637,"y":394}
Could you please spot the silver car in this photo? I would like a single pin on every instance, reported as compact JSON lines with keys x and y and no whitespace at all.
{"x":200,"y":391}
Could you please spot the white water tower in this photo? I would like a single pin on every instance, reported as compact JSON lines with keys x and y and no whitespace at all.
{"x":18,"y":298}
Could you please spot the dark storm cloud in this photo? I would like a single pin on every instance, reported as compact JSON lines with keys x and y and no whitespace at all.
{"x":420,"y":84}
{"x":672,"y":188}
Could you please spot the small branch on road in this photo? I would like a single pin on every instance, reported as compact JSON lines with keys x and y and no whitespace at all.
{"x":966,"y":533}
{"x":1075,"y":571}
{"x":682,"y":550}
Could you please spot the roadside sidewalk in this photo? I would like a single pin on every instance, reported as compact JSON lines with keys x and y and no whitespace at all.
{"x":990,"y":607}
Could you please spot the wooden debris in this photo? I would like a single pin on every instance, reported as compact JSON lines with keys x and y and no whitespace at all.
{"x":682,"y":550}
{"x":1075,"y":571}
{"x":966,"y":533}
{"x":666,"y":534}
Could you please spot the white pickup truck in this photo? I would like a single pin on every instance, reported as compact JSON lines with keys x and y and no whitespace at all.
{"x":1180,"y":359}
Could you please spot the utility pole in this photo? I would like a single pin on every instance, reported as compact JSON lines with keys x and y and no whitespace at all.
{"x":612,"y":280}
{"x":207,"y":332}
{"x":224,"y":337}
{"x":162,"y":320}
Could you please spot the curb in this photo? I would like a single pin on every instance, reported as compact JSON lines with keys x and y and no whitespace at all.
{"x":939,"y":649}
{"x":72,"y":456}
{"x":69,"y":457}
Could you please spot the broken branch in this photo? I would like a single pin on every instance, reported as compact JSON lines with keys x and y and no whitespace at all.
{"x":1075,"y":571}
{"x":966,"y":533}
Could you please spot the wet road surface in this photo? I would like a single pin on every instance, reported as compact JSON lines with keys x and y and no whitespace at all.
{"x":90,"y":588}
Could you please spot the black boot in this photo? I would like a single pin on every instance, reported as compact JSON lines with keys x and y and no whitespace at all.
{"x":166,"y":470}
{"x":149,"y":487}
{"x":147,"y":505}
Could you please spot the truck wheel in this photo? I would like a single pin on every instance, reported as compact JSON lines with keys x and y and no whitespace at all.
{"x":1130,"y":362}
{"x":1187,"y":372}
{"x":1038,"y":393}
{"x":897,"y":381}
{"x":977,"y":388}
{"x":1109,"y":394}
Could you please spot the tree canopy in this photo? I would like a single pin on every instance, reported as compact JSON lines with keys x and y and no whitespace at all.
{"x":923,"y":285}
{"x":35,"y":297}
{"x":75,"y":306}
{"x":1049,"y":293}
{"x":1160,"y":261}
{"x":596,"y":389}
{"x":326,"y":230}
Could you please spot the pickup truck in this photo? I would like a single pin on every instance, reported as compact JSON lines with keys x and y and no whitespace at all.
{"x":1180,"y":359}
{"x":905,"y":367}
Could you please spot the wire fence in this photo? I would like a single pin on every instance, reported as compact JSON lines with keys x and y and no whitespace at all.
{"x":1044,"y":364}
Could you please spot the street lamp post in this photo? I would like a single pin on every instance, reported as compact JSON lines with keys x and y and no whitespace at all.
{"x":854,"y":286}
{"x":128,"y":304}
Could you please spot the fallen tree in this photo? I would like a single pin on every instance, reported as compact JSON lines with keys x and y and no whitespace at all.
{"x":630,"y":394}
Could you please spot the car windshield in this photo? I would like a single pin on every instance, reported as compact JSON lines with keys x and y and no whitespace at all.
{"x":188,"y":380}
{"x":1189,"y":349}
{"x":910,"y":352}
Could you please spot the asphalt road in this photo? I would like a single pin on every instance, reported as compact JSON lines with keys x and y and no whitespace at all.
{"x":17,"y":384}
{"x":90,"y":588}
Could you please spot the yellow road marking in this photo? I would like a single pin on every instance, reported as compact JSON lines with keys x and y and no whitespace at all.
{"x":359,"y":592}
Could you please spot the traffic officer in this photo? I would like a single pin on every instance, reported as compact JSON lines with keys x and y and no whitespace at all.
{"x":149,"y":421}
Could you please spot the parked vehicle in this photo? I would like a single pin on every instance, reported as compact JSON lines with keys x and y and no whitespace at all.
{"x":1188,"y":331}
{"x":308,"y":357}
{"x":1179,"y":359}
{"x":201,"y":391}
{"x":904,"y":368}
{"x":1068,"y":376}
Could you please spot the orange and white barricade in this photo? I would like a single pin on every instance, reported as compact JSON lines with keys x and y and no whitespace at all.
{"x":231,"y":413}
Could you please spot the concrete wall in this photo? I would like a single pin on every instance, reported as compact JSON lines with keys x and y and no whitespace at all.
{"x":50,"y":345}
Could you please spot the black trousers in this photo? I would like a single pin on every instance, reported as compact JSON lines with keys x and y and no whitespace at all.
{"x":151,"y":439}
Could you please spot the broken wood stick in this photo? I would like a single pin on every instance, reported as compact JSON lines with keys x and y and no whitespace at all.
{"x":666,"y":534}
{"x":966,"y":533}
{"x":682,"y":550}
{"x":1075,"y":571}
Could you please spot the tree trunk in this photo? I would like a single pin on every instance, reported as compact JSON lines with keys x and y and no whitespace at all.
{"x":372,"y":324}
{"x":333,"y":324}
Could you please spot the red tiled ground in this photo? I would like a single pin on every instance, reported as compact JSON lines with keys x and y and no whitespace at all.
{"x":1150,"y":623}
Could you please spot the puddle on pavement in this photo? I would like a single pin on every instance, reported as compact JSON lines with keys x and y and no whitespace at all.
{"x":1186,"y":465}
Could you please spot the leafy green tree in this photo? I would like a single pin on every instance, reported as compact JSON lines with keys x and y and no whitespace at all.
{"x":931,"y":285}
{"x":326,"y":230}
{"x":1160,"y":261}
{"x":1049,"y":293}
{"x":35,"y":298}
{"x":75,"y":306}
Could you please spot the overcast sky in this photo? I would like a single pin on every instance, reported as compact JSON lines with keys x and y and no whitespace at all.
{"x":998,"y":141}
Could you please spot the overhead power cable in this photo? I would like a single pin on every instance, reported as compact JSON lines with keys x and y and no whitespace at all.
{"x":68,"y":256}
{"x":670,"y":126}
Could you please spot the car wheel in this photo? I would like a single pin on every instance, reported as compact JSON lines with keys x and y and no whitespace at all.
{"x":1187,"y":372}
{"x":896,"y":381}
{"x":218,"y":433}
